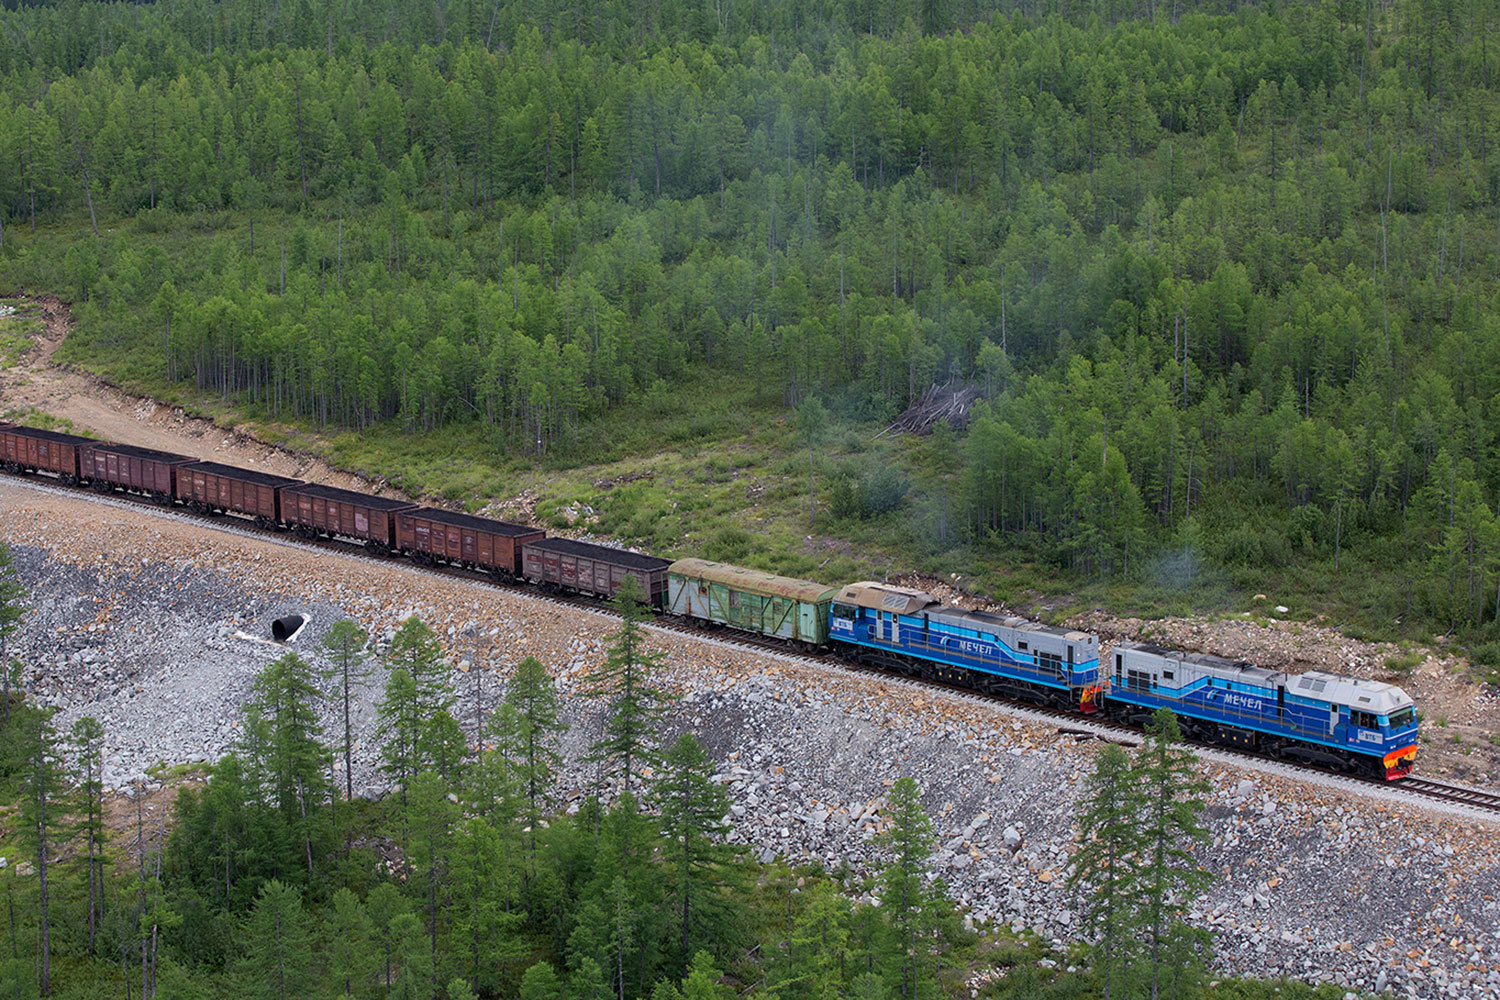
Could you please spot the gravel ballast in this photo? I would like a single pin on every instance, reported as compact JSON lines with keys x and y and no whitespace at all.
{"x":157,"y":625}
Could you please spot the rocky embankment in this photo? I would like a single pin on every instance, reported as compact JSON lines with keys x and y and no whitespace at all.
{"x":156,"y":627}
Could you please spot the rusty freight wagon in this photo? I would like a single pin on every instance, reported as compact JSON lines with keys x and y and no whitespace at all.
{"x":430,"y":535}
{"x":749,"y":599}
{"x":26,"y":449}
{"x":592,"y":569}
{"x":311,"y":510}
{"x":212,"y":487}
{"x":127,"y":467}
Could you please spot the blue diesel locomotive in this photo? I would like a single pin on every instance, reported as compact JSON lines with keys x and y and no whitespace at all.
{"x":910,"y":632}
{"x":1314,"y":717}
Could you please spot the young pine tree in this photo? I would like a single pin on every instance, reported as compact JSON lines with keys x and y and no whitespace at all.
{"x":344,"y":645}
{"x":528,"y":737}
{"x":385,"y":905}
{"x":906,"y":899}
{"x":692,"y":809}
{"x":541,"y":982}
{"x":1168,"y":823}
{"x":485,"y":923}
{"x":277,"y":964}
{"x":87,"y":737}
{"x":12,"y":607}
{"x":1107,"y":862}
{"x":283,"y":720}
{"x":40,"y":823}
{"x":431,"y":818}
{"x":349,"y":946}
{"x":415,"y":719}
{"x":630,"y":732}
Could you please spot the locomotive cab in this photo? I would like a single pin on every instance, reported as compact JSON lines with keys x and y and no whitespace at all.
{"x":1375,"y":721}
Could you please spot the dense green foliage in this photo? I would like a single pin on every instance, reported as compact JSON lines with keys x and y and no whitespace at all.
{"x":1134,"y":856}
{"x":458,"y":886}
{"x":1224,"y":274}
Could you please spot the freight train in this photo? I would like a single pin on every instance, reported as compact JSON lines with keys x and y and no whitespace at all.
{"x":1317,"y":718}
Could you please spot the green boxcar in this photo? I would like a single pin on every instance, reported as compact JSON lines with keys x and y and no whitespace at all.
{"x":749,"y":599}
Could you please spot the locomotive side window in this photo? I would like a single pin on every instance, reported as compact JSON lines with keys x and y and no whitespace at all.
{"x":1167,"y":675}
{"x":1364,"y":720}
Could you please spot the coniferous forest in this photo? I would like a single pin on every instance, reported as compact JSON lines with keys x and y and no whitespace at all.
{"x":1222,"y":271}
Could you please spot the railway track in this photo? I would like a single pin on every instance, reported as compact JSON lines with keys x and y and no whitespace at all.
{"x":1413,"y":787}
{"x":1462,"y":794}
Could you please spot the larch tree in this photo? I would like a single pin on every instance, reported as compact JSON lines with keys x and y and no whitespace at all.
{"x":12,"y":608}
{"x":435,"y":739}
{"x":87,"y":739}
{"x":283,"y":707}
{"x":692,"y":808}
{"x":904,"y":895}
{"x":541,"y":982}
{"x":431,"y":818}
{"x":40,"y":822}
{"x":635,"y":704}
{"x":1172,"y":790}
{"x":349,"y":950}
{"x":278,"y":957}
{"x":1107,"y":863}
{"x":385,"y":904}
{"x":344,"y":645}
{"x":528,"y":735}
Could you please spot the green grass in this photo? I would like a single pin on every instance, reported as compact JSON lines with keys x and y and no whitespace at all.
{"x":32,"y":417}
{"x":1403,"y":663}
{"x":16,"y":329}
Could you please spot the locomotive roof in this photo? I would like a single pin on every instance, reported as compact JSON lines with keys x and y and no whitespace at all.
{"x":485,"y":524}
{"x":622,"y":557}
{"x":884,"y":597}
{"x":243,"y":475}
{"x":349,"y":496}
{"x":753,"y":581}
{"x":905,"y":601}
{"x":1336,"y":689}
{"x":1209,"y":664}
{"x":1341,"y":689}
{"x":36,"y":432}
{"x":135,"y":451}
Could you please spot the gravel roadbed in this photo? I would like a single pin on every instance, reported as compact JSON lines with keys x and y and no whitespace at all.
{"x":157,"y":625}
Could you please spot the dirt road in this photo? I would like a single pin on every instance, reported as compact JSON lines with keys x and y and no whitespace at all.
{"x":100,"y":410}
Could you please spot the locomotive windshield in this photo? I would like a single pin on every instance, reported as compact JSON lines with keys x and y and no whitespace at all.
{"x":842,"y":611}
{"x":1403,"y":717}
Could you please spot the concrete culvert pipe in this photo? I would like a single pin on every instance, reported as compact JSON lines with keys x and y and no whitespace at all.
{"x":283,"y":629}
